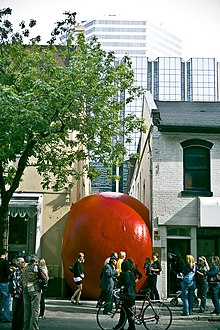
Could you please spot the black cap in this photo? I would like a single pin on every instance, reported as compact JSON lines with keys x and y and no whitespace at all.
{"x":113,"y":259}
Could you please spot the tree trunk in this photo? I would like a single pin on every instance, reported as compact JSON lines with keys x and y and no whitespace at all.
{"x":4,"y":225}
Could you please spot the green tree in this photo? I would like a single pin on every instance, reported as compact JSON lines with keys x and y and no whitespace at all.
{"x":59,"y":105}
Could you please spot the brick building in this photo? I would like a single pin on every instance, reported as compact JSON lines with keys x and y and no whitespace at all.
{"x":178,"y":178}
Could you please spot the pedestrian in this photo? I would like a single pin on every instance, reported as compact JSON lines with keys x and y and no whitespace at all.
{"x":102,"y":294}
{"x":17,"y":289}
{"x":42,"y":264}
{"x":78,"y":276}
{"x":214,"y":285}
{"x":122,"y":256}
{"x":188,"y":286}
{"x":5,"y":271}
{"x":134,"y":269}
{"x":128,"y":284}
{"x":108,"y":282}
{"x":202,"y":283}
{"x":154,"y":271}
{"x":31,"y":274}
{"x":147,"y":265}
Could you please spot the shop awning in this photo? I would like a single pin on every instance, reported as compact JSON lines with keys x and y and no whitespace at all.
{"x":209,"y":211}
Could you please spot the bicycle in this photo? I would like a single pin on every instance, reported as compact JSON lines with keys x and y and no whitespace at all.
{"x":156,"y":315}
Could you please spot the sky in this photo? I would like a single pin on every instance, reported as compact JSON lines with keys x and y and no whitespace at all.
{"x":195,"y":22}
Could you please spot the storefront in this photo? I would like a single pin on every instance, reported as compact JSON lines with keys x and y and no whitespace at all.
{"x":25,"y":223}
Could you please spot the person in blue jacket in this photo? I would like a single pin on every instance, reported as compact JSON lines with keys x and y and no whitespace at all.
{"x":188,"y":289}
{"x":107,"y":284}
{"x":214,"y":286}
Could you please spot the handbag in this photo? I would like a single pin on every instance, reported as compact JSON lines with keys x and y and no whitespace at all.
{"x":215,"y":278}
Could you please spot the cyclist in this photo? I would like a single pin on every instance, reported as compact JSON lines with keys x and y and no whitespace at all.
{"x":128,"y":284}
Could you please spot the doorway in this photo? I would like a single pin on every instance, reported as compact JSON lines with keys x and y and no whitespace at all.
{"x":177,"y":249}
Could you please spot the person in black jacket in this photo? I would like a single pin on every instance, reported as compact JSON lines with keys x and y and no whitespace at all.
{"x":78,"y":277}
{"x":134,"y":269}
{"x":4,"y":293}
{"x":128,"y":284}
{"x":154,"y":271}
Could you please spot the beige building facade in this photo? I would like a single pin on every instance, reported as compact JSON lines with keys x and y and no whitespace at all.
{"x":37,"y":219}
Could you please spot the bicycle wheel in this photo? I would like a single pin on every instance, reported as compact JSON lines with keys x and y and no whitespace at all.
{"x":108,"y":316}
{"x":157,"y":316}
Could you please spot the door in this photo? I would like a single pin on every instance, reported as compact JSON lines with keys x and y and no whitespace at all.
{"x":177,"y":249}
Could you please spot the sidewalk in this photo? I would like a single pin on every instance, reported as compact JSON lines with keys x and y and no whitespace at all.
{"x":206,"y":316}
{"x":89,"y":306}
{"x":61,"y":314}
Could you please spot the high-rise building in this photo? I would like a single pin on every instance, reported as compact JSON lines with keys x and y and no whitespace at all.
{"x":138,"y":38}
{"x":141,"y":40}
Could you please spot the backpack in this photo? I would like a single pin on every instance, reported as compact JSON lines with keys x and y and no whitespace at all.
{"x":188,"y":278}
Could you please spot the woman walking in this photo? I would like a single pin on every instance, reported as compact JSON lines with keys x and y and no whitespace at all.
{"x":78,"y":277}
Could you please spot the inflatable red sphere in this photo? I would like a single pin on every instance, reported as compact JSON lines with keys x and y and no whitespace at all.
{"x":102,"y":223}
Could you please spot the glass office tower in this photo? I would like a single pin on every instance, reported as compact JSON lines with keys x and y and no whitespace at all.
{"x":173,"y":79}
{"x":202,"y":79}
{"x":142,"y":41}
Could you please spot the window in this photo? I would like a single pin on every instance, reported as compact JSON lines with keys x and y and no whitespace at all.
{"x":196,"y":167}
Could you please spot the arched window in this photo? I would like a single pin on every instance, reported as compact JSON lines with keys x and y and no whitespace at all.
{"x":196,"y":167}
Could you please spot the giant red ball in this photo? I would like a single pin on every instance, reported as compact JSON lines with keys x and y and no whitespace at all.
{"x":99,"y":224}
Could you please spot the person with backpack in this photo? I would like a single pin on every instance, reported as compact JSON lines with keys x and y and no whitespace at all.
{"x":32,"y":273}
{"x":214,"y":283}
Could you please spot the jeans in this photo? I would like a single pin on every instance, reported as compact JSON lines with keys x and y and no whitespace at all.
{"x":188,"y":297}
{"x":6,"y":298}
{"x":152,"y":283}
{"x":214,"y":293}
{"x":202,"y":294}
{"x":31,"y":309}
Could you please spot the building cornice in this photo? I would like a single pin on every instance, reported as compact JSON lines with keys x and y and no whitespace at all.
{"x":188,"y":129}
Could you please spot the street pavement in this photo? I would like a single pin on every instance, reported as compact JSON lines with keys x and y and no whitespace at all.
{"x":61,"y":314}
